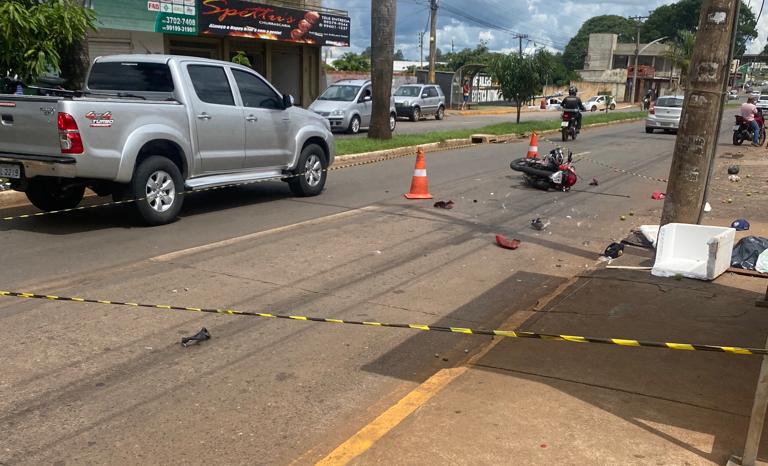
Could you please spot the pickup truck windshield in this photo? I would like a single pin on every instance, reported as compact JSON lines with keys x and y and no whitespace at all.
{"x":340,"y":93}
{"x":128,"y":76}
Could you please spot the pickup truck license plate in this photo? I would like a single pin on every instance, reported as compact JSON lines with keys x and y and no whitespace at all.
{"x":10,"y":171}
{"x":564,"y":124}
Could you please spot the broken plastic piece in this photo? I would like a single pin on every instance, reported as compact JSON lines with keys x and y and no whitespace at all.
{"x":657,"y":196}
{"x":202,"y":335}
{"x":539,"y":224}
{"x":734,"y":178}
{"x":594,"y":182}
{"x":733,"y":169}
{"x":707,"y":207}
{"x":614,"y":250}
{"x":444,"y":204}
{"x":506,"y":243}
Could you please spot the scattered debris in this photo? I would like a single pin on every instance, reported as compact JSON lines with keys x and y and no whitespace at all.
{"x":539,"y":223}
{"x":474,"y":200}
{"x":444,"y":204}
{"x":202,"y":335}
{"x":614,"y":250}
{"x":747,"y":251}
{"x":707,"y":207}
{"x":631,"y":213}
{"x":658,"y":196}
{"x":623,"y":217}
{"x":762,"y":262}
{"x":740,"y":224}
{"x":734,"y":178}
{"x":627,"y":267}
{"x":700,"y":252}
{"x":507,"y":244}
{"x":733,"y":169}
{"x":594,"y":182}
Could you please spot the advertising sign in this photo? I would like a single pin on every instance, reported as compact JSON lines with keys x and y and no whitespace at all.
{"x":175,"y":16}
{"x":238,"y":18}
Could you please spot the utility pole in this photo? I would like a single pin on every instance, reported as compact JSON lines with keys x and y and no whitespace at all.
{"x":451,"y":45}
{"x":383,"y":14}
{"x":702,"y":112}
{"x":520,"y":38}
{"x":432,"y":38}
{"x":639,"y":25}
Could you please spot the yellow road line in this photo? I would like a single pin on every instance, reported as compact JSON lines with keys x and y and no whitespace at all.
{"x":379,"y":427}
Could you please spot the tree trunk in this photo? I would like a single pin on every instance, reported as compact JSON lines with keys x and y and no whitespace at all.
{"x":74,"y":64}
{"x":518,"y":112}
{"x":382,"y":50}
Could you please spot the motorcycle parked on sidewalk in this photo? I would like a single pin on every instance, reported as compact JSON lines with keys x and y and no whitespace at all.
{"x":554,"y":170}
{"x":742,"y":131}
{"x":568,"y":124}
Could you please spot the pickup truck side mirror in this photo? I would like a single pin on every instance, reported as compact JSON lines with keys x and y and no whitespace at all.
{"x":424,"y":96}
{"x":367,"y":98}
{"x":287,"y":101}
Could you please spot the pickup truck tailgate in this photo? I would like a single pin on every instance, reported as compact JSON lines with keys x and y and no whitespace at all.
{"x":28,"y":125}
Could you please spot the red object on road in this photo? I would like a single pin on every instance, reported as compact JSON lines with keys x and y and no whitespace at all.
{"x":506,"y":243}
{"x":657,"y":196}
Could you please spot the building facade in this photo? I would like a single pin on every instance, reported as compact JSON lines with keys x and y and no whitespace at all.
{"x":282,"y":39}
{"x":609,"y":67}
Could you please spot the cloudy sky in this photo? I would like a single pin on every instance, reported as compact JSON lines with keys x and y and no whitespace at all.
{"x":549,"y":23}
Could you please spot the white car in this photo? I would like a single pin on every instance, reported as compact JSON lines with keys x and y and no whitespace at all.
{"x":755,"y":93}
{"x":762,"y":103}
{"x":665,"y":114}
{"x":600,"y":102}
{"x":553,"y":103}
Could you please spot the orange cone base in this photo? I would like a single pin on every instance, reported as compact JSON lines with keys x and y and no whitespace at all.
{"x":418,"y":196}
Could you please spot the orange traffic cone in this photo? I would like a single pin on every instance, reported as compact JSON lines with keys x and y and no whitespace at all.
{"x":419,"y":185}
{"x":533,"y":149}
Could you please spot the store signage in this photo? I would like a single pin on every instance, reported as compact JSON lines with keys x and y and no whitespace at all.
{"x":175,"y":16}
{"x":239,"y":18}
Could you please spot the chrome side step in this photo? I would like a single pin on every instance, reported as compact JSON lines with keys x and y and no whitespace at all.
{"x":211,"y":181}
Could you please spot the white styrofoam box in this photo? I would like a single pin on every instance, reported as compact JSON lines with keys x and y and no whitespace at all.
{"x":650,"y":232}
{"x":693,"y":251}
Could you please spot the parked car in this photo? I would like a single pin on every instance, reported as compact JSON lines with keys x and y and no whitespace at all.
{"x":755,"y":93}
{"x":150,"y":128}
{"x":348,"y":106}
{"x":665,"y":114}
{"x":416,"y":101}
{"x":733,"y":94}
{"x":600,"y":102}
{"x":553,"y":103}
{"x":762,"y":103}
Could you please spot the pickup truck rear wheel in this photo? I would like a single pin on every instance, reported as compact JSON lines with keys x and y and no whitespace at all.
{"x":158,"y":189}
{"x":49,"y":194}
{"x":311,"y":172}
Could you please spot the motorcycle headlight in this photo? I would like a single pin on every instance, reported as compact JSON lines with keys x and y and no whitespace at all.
{"x":337,"y":112}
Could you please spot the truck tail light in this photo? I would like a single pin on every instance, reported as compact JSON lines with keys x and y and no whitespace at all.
{"x":69,"y":135}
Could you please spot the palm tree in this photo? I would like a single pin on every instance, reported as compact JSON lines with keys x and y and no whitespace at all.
{"x":680,"y":54}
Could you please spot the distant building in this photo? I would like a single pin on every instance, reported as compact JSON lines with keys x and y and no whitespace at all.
{"x":610,"y":65}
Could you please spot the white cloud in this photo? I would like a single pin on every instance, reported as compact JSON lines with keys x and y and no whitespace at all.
{"x":486,"y":36}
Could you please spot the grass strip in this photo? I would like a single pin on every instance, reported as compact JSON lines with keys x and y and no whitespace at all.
{"x":361,"y":145}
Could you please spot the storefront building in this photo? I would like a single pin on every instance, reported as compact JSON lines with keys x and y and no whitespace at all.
{"x":282,"y":39}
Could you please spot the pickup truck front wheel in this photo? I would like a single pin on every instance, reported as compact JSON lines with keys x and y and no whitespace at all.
{"x":49,"y":194}
{"x":311,"y":172}
{"x":158,"y":188}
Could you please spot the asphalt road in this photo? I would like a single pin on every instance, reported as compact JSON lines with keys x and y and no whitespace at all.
{"x":98,"y":384}
{"x":453,"y":121}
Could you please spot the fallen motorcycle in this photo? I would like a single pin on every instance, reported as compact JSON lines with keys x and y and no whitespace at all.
{"x":554,"y":170}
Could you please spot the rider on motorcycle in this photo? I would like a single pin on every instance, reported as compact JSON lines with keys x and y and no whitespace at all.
{"x":748,"y":112}
{"x":573,"y":104}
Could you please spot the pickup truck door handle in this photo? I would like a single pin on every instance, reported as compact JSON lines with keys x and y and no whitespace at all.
{"x":251,"y":118}
{"x":204,"y":116}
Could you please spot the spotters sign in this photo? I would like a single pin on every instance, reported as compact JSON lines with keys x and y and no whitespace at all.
{"x":238,"y":18}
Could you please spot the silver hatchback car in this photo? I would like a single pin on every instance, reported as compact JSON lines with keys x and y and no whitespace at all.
{"x":347,"y":104}
{"x":665,"y":114}
{"x":416,"y":101}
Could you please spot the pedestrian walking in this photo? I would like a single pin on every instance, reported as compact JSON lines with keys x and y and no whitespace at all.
{"x":465,"y":93}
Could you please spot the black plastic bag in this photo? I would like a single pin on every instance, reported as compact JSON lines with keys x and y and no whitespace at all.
{"x":746,"y":252}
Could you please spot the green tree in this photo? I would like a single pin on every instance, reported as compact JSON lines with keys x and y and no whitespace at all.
{"x":681,"y":52}
{"x":241,"y":58}
{"x":399,"y":55}
{"x":576,"y":50}
{"x":519,"y":77}
{"x":552,"y":68}
{"x":667,"y":20}
{"x":35,"y":33}
{"x":351,"y":61}
{"x":479,"y":55}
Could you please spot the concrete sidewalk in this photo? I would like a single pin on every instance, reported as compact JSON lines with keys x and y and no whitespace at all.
{"x":547,"y":402}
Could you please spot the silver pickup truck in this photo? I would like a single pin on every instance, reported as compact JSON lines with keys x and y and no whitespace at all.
{"x":151,"y":127}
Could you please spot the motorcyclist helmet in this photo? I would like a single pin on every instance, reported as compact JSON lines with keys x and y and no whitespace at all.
{"x":557,"y":157}
{"x":572,"y":90}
